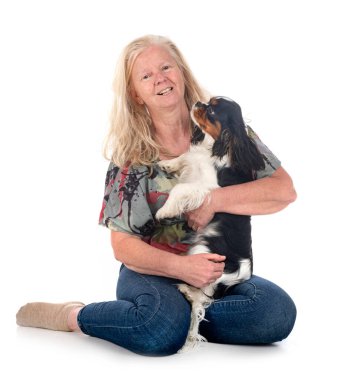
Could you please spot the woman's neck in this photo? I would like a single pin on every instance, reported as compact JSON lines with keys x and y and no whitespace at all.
{"x":172,"y":132}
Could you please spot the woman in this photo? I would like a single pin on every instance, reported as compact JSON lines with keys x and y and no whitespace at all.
{"x":154,"y":91}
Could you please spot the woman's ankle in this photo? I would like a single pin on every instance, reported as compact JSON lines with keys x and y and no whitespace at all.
{"x":73,"y":319}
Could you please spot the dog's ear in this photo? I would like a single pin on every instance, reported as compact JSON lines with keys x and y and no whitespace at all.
{"x":197,"y":135}
{"x":244,"y":154}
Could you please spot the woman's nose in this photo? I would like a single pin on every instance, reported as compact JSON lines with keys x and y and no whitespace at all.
{"x":159,"y":78}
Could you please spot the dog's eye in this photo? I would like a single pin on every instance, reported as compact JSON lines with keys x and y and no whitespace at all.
{"x":210,"y":111}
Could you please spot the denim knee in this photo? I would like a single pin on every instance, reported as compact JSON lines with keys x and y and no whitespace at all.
{"x":160,"y":330}
{"x":254,"y":312}
{"x":168,"y":338}
{"x":284,"y":323}
{"x":149,"y":317}
{"x":278,"y":315}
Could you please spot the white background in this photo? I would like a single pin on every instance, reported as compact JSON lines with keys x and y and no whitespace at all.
{"x":281,"y":60}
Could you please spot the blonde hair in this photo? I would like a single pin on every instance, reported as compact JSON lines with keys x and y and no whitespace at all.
{"x":130,"y":139}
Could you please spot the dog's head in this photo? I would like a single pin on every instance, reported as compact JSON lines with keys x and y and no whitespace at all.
{"x":221,"y":118}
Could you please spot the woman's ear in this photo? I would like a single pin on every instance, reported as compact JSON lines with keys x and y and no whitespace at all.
{"x":139,"y":100}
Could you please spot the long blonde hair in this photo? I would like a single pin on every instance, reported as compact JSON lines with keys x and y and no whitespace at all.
{"x":130,"y":139}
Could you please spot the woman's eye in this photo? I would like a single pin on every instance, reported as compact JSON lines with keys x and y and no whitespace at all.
{"x":145,"y":77}
{"x":166,"y":67}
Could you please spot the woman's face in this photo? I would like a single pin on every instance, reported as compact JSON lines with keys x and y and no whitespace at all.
{"x":156,"y":80}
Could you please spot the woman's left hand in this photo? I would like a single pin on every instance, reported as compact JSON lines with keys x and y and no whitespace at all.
{"x":201,"y":216}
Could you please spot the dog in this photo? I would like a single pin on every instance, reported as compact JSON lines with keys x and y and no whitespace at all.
{"x":223,"y":155}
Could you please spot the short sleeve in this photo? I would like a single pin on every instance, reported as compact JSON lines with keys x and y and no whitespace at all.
{"x":125,"y":207}
{"x":271,"y":161}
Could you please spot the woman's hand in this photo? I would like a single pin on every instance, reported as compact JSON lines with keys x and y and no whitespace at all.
{"x":201,"y":269}
{"x":201,"y":216}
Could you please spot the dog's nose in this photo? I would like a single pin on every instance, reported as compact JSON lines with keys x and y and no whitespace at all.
{"x":199,"y":105}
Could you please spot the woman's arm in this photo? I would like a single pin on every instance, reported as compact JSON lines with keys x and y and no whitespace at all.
{"x":197,"y":270}
{"x":263,"y":196}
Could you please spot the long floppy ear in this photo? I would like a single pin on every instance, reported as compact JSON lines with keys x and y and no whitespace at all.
{"x":244,"y":154}
{"x":197,"y":135}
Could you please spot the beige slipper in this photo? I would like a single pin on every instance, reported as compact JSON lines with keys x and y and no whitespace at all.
{"x":52,"y":316}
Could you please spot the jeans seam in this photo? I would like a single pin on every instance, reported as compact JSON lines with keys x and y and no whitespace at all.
{"x":250,"y":300}
{"x":136,"y":326}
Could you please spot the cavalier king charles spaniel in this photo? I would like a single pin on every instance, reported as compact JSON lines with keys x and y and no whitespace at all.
{"x":222,"y":154}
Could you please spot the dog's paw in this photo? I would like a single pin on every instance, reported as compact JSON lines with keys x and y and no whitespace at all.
{"x":190,"y":293}
{"x":168,"y":210}
{"x":163,"y":213}
{"x":168,"y":166}
{"x":159,"y":214}
{"x":197,"y":297}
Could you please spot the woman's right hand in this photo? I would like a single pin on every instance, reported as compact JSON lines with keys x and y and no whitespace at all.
{"x":201,"y":269}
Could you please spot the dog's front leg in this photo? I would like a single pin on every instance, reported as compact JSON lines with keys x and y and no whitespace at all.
{"x":183,"y":197}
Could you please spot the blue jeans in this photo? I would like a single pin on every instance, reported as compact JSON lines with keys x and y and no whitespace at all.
{"x":151,"y":316}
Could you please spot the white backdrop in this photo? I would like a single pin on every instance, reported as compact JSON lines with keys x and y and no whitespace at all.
{"x":281,"y":60}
